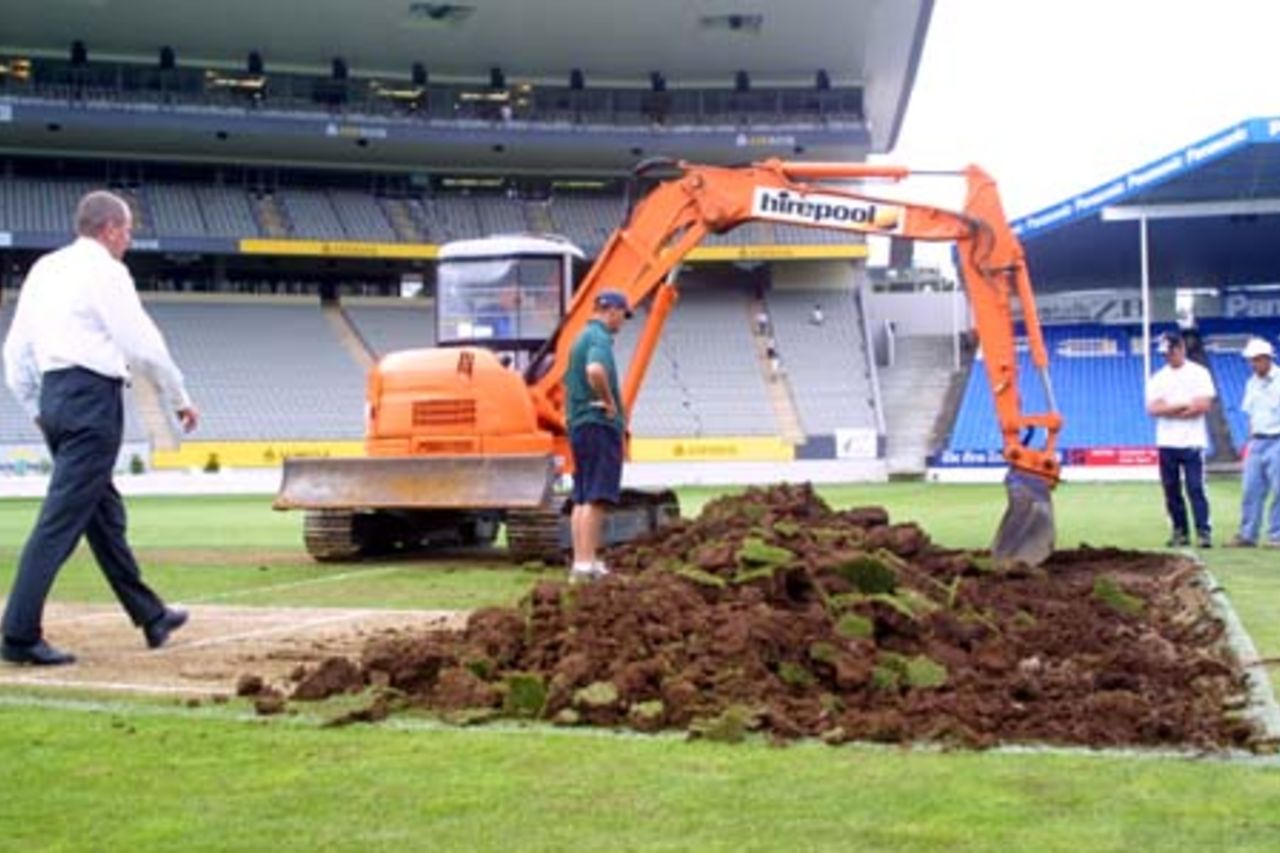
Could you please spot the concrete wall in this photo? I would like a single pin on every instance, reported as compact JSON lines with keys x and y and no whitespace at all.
{"x":916,"y":313}
{"x":816,"y":275}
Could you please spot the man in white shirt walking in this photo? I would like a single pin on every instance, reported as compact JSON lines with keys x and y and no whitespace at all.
{"x":78,"y":332}
{"x":1178,"y":396}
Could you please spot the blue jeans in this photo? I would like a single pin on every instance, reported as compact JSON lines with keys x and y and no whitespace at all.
{"x":1177,"y":463}
{"x":1261,"y":477}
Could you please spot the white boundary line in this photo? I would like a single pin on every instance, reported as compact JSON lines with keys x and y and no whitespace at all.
{"x":346,"y":616}
{"x":115,"y":686}
{"x":234,"y":593}
{"x":425,"y":725}
{"x":359,"y":573}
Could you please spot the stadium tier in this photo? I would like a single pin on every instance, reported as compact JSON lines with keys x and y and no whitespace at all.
{"x":390,"y":100}
{"x":705,"y":378}
{"x":1097,"y":378}
{"x":167,"y":209}
{"x":388,"y":328}
{"x":264,"y":371}
{"x":273,"y":371}
{"x":827,"y":363}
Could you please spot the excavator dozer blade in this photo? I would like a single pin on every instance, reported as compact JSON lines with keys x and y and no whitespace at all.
{"x":416,"y":482}
{"x":1026,"y":531}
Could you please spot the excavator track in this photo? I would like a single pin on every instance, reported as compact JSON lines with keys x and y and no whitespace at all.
{"x":331,"y":535}
{"x":542,"y":534}
{"x":535,"y":534}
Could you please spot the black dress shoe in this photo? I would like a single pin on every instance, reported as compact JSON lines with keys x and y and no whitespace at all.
{"x":40,"y":654}
{"x":162,"y":626}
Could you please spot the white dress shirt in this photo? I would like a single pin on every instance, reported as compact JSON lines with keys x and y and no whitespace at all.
{"x":78,"y":308}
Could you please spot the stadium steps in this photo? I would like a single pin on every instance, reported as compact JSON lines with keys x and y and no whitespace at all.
{"x":151,"y":411}
{"x":402,"y":222}
{"x":915,"y":389}
{"x":954,"y":399}
{"x":777,"y":386}
{"x":271,"y":217}
{"x":349,"y":336}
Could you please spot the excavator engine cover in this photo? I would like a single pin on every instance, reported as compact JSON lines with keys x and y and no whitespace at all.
{"x":425,"y":482}
{"x":1026,"y":531}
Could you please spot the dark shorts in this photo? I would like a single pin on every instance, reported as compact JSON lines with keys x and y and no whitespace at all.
{"x":597,"y":461}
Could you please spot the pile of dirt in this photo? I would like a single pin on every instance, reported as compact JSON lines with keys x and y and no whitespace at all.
{"x":772,"y":612}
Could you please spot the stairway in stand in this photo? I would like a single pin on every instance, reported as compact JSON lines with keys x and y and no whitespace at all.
{"x":914,"y":389}
{"x":776,"y":382}
{"x":153,"y":413}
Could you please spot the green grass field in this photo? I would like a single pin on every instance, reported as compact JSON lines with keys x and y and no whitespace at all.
{"x":113,"y":774}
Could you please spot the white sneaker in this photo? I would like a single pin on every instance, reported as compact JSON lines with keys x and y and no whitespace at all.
{"x":588,"y":572}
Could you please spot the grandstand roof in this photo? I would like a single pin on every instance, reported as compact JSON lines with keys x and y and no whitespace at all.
{"x":1212,"y":209}
{"x":857,"y":42}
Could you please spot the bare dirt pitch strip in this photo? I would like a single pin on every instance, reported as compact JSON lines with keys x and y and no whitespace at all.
{"x":213,"y":649}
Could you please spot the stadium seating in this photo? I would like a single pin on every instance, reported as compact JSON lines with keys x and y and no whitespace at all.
{"x":361,"y":217}
{"x":704,"y":379}
{"x":452,"y":218}
{"x":1097,"y":379}
{"x":827,"y":365}
{"x":407,"y":324}
{"x":175,"y":210}
{"x":587,"y":220}
{"x":40,"y":206}
{"x":311,"y":215}
{"x":264,"y":371}
{"x":270,"y":369}
{"x":170,"y":209}
{"x":498,"y":215}
{"x":227,"y":212}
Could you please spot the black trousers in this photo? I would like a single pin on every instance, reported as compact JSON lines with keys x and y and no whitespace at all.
{"x":83,"y":419}
{"x":1175,"y":464}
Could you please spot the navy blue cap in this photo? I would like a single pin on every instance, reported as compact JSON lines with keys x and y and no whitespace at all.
{"x":613,"y":299}
{"x":1169,"y":340}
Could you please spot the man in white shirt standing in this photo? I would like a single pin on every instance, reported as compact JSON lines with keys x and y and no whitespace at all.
{"x":78,"y":332}
{"x":1178,"y":396}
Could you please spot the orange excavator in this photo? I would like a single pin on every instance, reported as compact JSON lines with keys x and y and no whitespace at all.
{"x":471,"y":434}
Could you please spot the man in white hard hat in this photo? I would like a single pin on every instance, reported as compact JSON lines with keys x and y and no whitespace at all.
{"x":1262,"y":463}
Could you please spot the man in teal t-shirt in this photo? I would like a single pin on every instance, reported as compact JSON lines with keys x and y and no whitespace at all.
{"x":596,"y":423}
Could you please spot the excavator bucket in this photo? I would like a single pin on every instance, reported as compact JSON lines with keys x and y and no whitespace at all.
{"x":416,"y":482}
{"x":1026,"y":531}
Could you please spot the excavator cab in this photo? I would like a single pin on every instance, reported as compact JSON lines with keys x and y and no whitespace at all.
{"x":507,"y":294}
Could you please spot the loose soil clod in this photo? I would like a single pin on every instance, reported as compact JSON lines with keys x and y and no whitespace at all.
{"x":774,"y":613}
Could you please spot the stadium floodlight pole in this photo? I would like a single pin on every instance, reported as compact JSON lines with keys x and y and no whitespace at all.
{"x":1146,"y":301}
{"x":955,"y":325}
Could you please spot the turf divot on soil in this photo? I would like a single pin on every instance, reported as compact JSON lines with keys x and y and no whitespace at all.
{"x":773,"y":613}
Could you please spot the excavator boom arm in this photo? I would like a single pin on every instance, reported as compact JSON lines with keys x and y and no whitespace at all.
{"x":678,"y":214}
